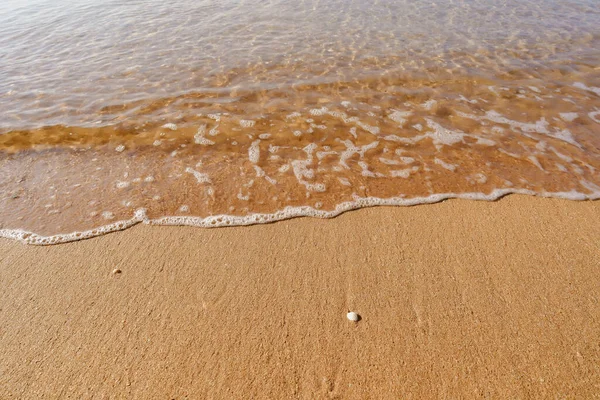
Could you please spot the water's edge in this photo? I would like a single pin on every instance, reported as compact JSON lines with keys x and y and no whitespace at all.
{"x":216,"y":221}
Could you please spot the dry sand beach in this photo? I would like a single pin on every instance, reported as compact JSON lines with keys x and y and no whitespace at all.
{"x":459,"y":299}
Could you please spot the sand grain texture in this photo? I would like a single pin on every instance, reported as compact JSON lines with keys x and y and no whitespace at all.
{"x":459,"y":299}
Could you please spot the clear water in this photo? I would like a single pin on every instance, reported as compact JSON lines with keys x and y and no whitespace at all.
{"x":234,"y":112}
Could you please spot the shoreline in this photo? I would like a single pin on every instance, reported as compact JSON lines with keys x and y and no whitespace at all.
{"x":231,"y":221}
{"x":458,"y":299}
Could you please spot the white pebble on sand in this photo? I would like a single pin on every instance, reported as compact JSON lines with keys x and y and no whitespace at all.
{"x":352,"y":316}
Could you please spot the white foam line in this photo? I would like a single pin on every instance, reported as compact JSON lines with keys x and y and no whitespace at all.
{"x":40,"y":240}
{"x":215,"y":221}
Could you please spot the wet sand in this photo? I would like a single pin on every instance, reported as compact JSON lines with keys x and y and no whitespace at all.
{"x":459,"y":299}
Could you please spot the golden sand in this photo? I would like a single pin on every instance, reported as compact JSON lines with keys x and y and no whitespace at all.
{"x":459,"y":299}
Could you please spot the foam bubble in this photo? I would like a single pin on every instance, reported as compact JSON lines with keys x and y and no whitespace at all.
{"x":242,"y":197}
{"x":561,"y":167}
{"x":403,"y":173}
{"x":170,"y":126}
{"x":254,"y":151}
{"x":541,"y":126}
{"x":352,"y":149}
{"x":200,"y":177}
{"x":214,"y":131}
{"x":485,"y":142}
{"x":366,"y":172}
{"x":448,"y":166}
{"x":344,"y":181}
{"x":463,"y":98}
{"x":399,"y":116}
{"x":247,"y":123}
{"x":581,"y":85}
{"x":302,"y":172}
{"x":569,"y":117}
{"x":429,"y":104}
{"x":535,"y":162}
{"x":387,"y":161}
{"x":374,"y":130}
{"x":443,"y":136}
{"x":318,"y":111}
{"x":477,"y":178}
{"x":199,"y":137}
{"x":407,"y":160}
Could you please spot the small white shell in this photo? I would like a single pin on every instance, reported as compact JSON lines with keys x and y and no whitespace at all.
{"x":352,"y":316}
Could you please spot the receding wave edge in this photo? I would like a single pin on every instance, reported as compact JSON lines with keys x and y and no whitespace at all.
{"x":215,"y":221}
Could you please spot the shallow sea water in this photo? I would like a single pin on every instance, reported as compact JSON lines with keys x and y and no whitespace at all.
{"x":237,"y":112}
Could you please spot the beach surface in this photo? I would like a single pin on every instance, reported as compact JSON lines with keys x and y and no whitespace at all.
{"x":460,"y":299}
